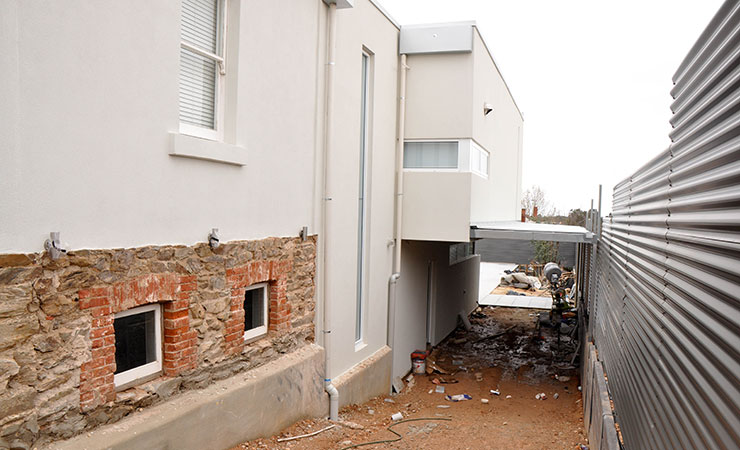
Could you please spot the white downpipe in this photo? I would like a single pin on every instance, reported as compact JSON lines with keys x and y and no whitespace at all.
{"x":393,"y":280}
{"x":326,"y":197}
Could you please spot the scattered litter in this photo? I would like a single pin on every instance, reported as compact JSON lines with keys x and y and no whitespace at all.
{"x":389,"y":400}
{"x":397,"y":385}
{"x":497,"y":392}
{"x":412,"y":383}
{"x":562,"y":378}
{"x":512,"y":292}
{"x":556,"y":396}
{"x":541,"y":396}
{"x":348,"y":424}
{"x":397,"y":416}
{"x":306,"y":435}
{"x":371,"y":411}
{"x":439,"y":389}
{"x":409,"y":377}
{"x":432,"y":367}
{"x":345,"y":442}
{"x":458,"y":397}
{"x":580,"y":388}
{"x":583,"y":447}
{"x":478,"y":376}
{"x":430,"y":391}
{"x":441,"y":380}
{"x":457,"y":362}
{"x":484,"y":400}
{"x":459,"y":340}
{"x":506,"y":423}
{"x":508,"y":396}
{"x":443,"y":406}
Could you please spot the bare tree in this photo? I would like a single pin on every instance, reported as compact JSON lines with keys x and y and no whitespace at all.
{"x":535,"y":196}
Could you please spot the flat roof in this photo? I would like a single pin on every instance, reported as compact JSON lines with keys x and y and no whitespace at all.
{"x":530,"y":231}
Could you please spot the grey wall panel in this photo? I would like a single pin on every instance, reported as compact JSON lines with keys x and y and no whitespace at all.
{"x":665,"y":311}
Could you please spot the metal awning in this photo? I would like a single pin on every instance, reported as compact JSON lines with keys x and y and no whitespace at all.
{"x":530,"y":231}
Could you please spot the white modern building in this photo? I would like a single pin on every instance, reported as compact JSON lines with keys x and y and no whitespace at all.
{"x":341,"y":158}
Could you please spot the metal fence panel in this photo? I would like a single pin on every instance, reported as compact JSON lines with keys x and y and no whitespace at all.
{"x":664,"y":303}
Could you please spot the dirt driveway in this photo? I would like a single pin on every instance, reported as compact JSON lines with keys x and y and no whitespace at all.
{"x":503,"y":352}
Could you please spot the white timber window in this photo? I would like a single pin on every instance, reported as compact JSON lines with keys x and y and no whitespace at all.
{"x":478,"y":160}
{"x":430,"y":155}
{"x":202,"y":68}
{"x":255,"y":311}
{"x":138,"y":334}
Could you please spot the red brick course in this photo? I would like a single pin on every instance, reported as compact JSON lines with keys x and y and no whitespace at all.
{"x":238,"y":279}
{"x":179,"y":353}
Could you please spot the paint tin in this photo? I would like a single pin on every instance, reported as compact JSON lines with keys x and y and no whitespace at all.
{"x":419,"y":362}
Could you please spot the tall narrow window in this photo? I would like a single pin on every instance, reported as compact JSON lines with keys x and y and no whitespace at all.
{"x":362,"y":204}
{"x":201,"y":67}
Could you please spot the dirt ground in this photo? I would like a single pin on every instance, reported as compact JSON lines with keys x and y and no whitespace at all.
{"x":503,"y":351}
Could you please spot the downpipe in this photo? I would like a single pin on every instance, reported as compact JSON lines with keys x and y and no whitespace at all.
{"x":329,"y":118}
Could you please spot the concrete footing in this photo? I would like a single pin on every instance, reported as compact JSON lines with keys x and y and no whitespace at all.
{"x":370,"y":378}
{"x":247,"y":406}
{"x":597,"y":412}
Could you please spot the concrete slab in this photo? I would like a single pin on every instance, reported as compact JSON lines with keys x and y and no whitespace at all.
{"x":516,"y":301}
{"x":246,"y":406}
{"x":490,"y":276}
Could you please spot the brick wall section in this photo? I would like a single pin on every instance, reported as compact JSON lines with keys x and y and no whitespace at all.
{"x":179,"y":353}
{"x":238,"y":279}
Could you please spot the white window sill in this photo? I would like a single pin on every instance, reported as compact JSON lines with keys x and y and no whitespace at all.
{"x":186,"y":146}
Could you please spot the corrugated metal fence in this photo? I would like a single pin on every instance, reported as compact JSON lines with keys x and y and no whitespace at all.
{"x":664,"y":307}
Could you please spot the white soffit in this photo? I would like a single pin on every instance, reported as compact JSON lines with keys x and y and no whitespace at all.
{"x":341,"y":4}
{"x":530,"y":231}
{"x":454,"y":37}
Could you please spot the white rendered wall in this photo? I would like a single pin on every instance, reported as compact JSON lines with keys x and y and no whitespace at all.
{"x":495,"y":198}
{"x":454,"y":289}
{"x":90,"y":94}
{"x":358,"y":28}
{"x":436,"y":206}
{"x":438,"y":96}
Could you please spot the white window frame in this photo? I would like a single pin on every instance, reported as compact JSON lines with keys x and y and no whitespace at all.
{"x":261,"y":330}
{"x":217,"y":133}
{"x":478,"y":152}
{"x":153,"y":367}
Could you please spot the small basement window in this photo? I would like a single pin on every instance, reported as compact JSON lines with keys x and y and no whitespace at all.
{"x":138,"y":334}
{"x":255,"y":311}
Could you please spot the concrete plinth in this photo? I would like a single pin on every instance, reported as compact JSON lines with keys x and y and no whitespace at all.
{"x":247,"y":406}
{"x":370,"y":378}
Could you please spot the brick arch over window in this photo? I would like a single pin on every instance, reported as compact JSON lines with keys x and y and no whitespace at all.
{"x":238,"y":279}
{"x":179,"y":353}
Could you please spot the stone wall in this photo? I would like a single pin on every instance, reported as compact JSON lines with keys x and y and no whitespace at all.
{"x":56,"y":334}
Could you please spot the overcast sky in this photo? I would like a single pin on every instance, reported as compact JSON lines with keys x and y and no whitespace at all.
{"x":591,"y":77}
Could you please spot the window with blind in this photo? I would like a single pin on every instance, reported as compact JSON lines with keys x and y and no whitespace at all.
{"x":430,"y":155}
{"x":201,"y":66}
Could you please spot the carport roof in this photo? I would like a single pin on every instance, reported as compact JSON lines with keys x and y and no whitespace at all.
{"x":530,"y":231}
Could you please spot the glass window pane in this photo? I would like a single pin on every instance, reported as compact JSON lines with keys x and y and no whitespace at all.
{"x":135,"y":341}
{"x":430,"y":155}
{"x":254,"y":308}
